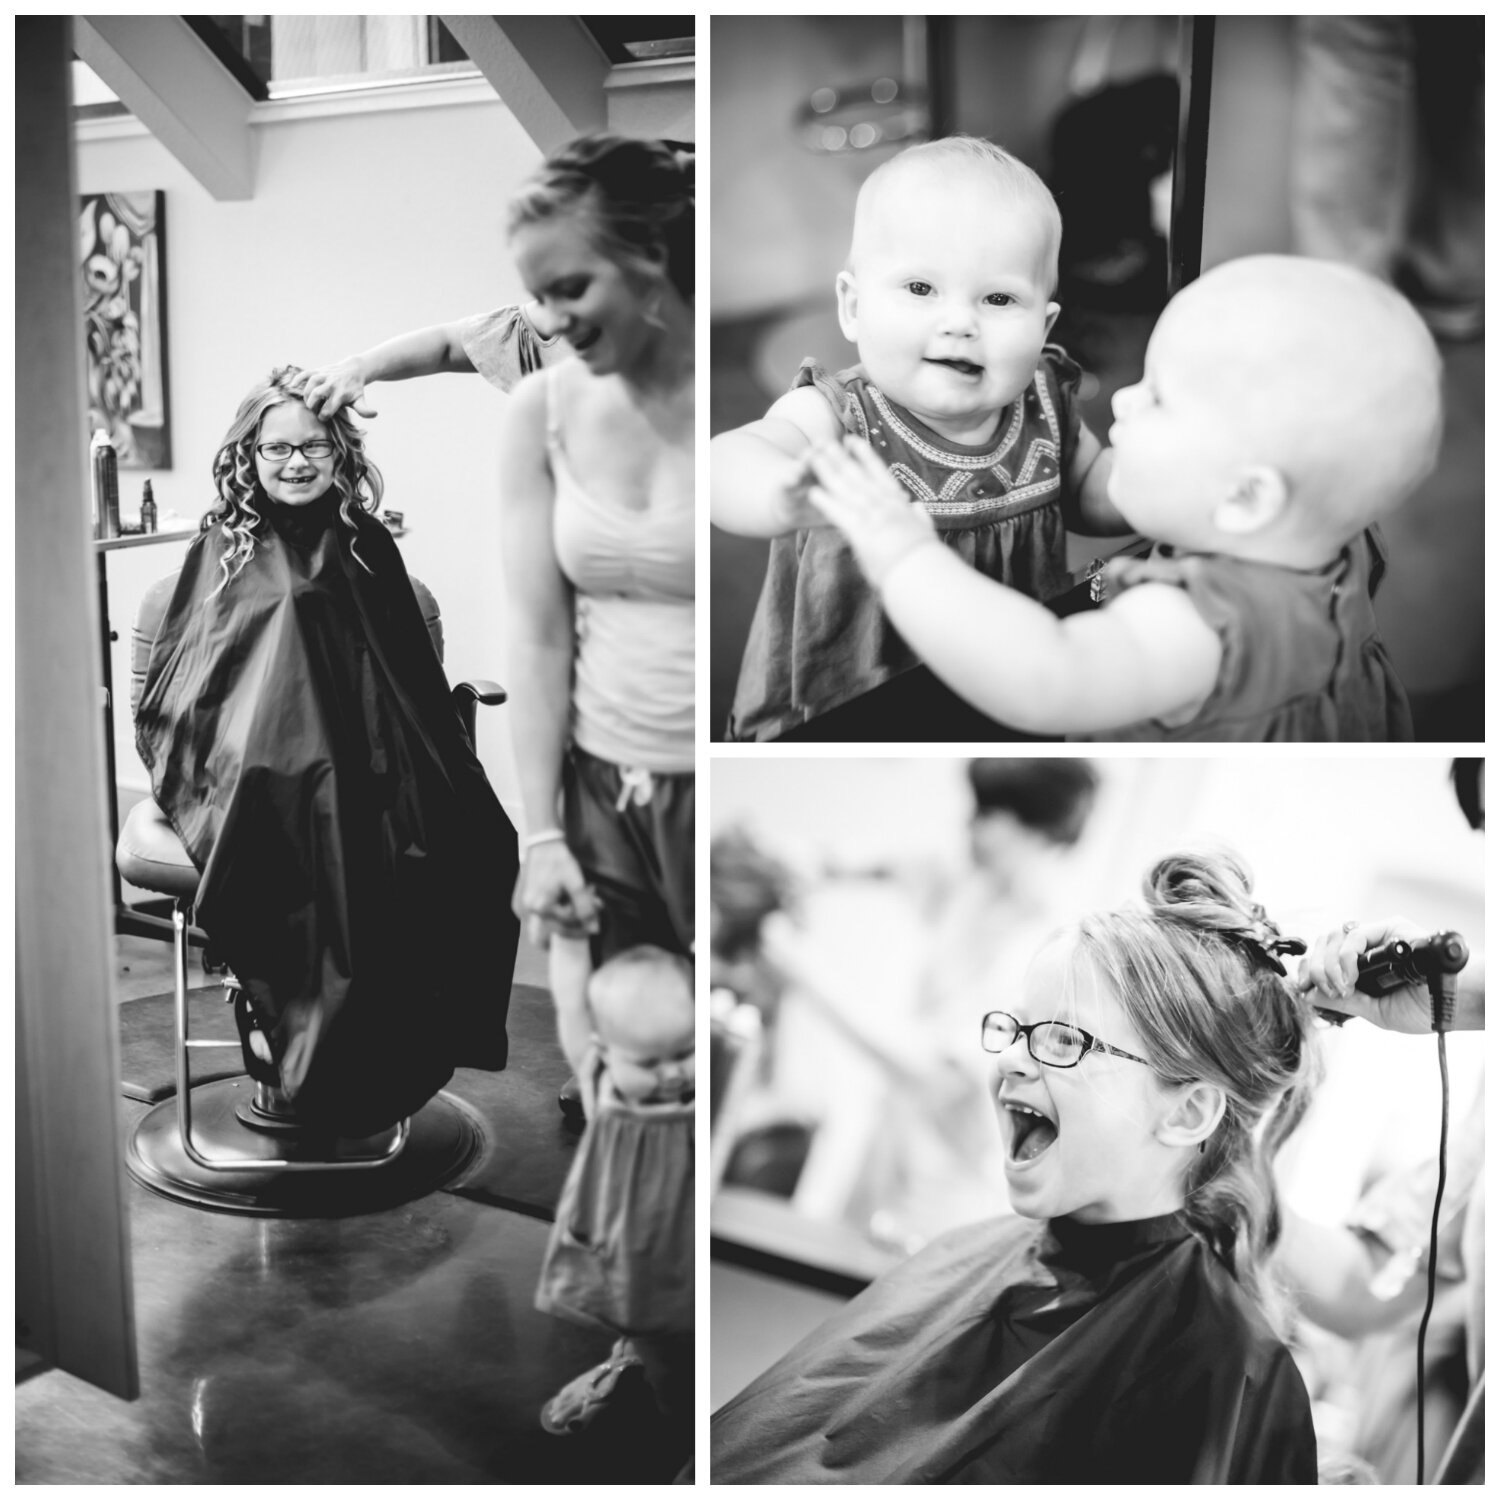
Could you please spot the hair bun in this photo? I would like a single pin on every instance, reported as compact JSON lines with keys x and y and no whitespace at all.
{"x":629,"y":170}
{"x":639,"y":194}
{"x":1203,"y":879}
{"x":1210,"y":889}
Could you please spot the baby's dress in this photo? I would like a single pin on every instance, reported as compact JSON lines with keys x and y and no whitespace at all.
{"x":819,"y":637}
{"x":1303,"y":658}
{"x":620,"y":1255}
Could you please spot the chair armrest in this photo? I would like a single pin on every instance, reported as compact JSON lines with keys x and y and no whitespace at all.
{"x":480,"y":690}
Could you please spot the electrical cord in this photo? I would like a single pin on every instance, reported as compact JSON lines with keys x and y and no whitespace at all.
{"x":1432,"y":1258}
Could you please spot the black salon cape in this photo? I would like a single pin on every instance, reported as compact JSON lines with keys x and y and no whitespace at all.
{"x":1017,"y":1351}
{"x":356,"y":866}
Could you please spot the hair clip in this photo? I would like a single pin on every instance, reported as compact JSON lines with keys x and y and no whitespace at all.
{"x":1270,"y":951}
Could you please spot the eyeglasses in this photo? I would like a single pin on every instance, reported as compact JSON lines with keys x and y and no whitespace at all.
{"x":1055,"y":1043}
{"x":278,"y":452}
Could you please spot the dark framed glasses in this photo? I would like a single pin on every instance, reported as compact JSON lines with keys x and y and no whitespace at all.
{"x":279,"y":452}
{"x":1055,"y":1043}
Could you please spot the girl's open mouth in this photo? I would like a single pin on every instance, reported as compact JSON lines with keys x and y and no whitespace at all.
{"x":1031,"y":1132}
{"x":964,"y":367}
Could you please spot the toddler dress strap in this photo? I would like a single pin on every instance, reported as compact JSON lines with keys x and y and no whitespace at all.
{"x":832,"y":388}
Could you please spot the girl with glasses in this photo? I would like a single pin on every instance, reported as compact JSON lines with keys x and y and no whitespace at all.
{"x":1122,"y":1328}
{"x":356,"y":866}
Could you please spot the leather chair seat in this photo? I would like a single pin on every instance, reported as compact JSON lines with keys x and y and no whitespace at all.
{"x":150,"y":855}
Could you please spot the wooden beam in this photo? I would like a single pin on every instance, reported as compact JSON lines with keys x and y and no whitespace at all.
{"x":548,"y":71}
{"x":180,"y":91}
{"x":73,"y":1294}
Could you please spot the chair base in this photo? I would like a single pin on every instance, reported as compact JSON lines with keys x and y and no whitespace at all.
{"x":447,"y":1137}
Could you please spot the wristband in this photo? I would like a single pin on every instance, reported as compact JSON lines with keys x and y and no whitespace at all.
{"x":546,"y":836}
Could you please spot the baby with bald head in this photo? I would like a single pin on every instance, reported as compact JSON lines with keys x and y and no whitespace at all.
{"x":947,"y":293}
{"x":641,"y":1005}
{"x":948,"y":287}
{"x":1286,"y":405}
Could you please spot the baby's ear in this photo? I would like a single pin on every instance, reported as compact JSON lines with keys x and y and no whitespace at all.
{"x":1257,"y":497}
{"x":1194,"y":1117}
{"x":1053,"y":308}
{"x":848,"y":295}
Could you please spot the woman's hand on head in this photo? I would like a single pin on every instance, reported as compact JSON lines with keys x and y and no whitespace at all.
{"x":328,"y":390}
{"x":859,"y":495}
{"x":552,"y":895}
{"x":1328,"y":973}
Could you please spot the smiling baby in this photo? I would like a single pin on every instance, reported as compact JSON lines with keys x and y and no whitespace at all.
{"x":947,"y":293}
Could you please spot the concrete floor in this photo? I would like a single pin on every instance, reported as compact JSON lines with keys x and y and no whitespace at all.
{"x":397,"y":1347}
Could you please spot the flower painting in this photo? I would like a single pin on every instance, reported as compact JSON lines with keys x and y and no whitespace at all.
{"x":125,"y":324}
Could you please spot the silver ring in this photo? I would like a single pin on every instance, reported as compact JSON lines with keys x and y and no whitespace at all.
{"x":1350,"y":926}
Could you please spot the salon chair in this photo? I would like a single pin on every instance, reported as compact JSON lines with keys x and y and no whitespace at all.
{"x":235,"y":1144}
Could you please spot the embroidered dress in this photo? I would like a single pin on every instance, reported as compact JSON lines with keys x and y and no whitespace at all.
{"x":1018,"y":1351}
{"x":819,"y":637}
{"x":1303,"y":658}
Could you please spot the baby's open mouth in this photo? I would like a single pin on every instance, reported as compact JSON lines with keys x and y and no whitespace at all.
{"x":960,"y":366}
{"x":1031,"y":1132}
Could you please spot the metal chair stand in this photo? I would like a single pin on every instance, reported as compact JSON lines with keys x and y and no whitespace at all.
{"x":235,"y":1144}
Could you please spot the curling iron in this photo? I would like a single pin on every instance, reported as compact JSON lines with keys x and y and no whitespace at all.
{"x":1433,"y":962}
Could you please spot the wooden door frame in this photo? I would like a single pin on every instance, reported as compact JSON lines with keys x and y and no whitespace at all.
{"x":74,"y":1307}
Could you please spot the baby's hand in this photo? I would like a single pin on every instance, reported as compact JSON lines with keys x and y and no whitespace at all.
{"x":858,"y":494}
{"x":795,"y":512}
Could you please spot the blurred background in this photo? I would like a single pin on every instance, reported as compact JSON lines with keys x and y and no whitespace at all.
{"x":867,"y":912}
{"x":1299,"y":111}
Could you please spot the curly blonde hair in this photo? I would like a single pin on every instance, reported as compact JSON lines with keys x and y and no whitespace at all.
{"x":238,"y":511}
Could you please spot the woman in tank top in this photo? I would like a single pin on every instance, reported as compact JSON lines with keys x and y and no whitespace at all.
{"x":598,"y":549}
{"x":598,"y":570}
{"x":598,"y":545}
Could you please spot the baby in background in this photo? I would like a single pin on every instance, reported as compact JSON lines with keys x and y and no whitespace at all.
{"x":947,"y":294}
{"x":1286,"y":406}
{"x":641,"y":1002}
{"x":620,"y":1255}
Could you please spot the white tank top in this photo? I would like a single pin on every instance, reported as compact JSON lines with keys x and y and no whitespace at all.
{"x":632,"y":575}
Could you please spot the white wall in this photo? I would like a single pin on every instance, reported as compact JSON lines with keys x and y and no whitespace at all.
{"x":652,"y":99}
{"x":362,"y":226}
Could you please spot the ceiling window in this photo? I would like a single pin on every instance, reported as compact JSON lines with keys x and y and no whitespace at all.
{"x":281,"y":57}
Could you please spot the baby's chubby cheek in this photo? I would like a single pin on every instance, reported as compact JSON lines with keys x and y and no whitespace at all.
{"x":1114,"y":482}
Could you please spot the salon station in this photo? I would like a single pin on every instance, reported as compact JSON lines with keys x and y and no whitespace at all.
{"x":208,"y":1290}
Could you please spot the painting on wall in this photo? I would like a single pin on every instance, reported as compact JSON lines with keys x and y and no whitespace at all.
{"x":122,"y":244}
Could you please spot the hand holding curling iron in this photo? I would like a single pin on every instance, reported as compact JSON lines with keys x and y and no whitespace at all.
{"x":1379,"y":970}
